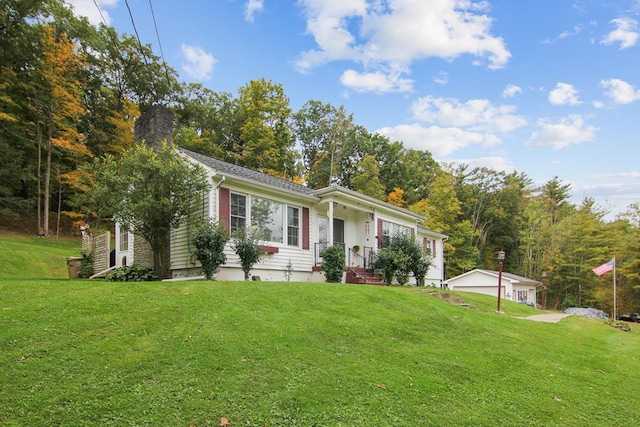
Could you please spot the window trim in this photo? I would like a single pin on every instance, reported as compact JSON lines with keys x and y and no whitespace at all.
{"x":248,"y":204}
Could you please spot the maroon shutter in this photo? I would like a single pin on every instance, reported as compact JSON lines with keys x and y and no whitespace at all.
{"x":433,"y":252}
{"x":224,"y":210}
{"x":413,"y":234}
{"x":380,"y":236}
{"x":305,"y":228}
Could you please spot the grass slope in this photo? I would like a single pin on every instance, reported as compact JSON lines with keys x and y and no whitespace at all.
{"x":26,"y":256}
{"x":79,"y":352}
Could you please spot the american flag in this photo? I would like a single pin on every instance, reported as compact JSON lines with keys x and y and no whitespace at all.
{"x":604,"y":268}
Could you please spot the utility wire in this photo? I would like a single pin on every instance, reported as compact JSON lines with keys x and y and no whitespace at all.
{"x":155,"y":25}
{"x":101,"y":15}
{"x":135,"y":30}
{"x":164,"y":63}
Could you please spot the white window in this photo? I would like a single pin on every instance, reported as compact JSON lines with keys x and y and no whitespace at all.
{"x":293,"y":226}
{"x":238,"y":212}
{"x":124,"y":239}
{"x":390,"y":230}
{"x":323,"y":229}
{"x":267,"y":218}
{"x":271,"y":219}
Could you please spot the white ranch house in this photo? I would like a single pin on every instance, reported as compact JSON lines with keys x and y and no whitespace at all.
{"x":298,"y":223}
{"x":514,"y":288}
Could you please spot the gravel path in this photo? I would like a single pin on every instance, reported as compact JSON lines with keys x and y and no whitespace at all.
{"x":549,"y":318}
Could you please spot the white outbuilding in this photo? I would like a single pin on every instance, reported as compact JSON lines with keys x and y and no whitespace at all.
{"x":514,"y":288}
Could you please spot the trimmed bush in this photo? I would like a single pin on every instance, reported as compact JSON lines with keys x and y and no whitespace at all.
{"x":132,"y":273}
{"x":247,"y":247}
{"x":402,"y":258}
{"x":333,"y":263}
{"x":209,"y":239}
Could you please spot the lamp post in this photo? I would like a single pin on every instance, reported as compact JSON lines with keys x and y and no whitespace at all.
{"x":544,"y":286}
{"x":500,"y":260}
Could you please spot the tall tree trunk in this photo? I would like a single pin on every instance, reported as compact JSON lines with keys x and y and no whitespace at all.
{"x":39,"y":175}
{"x":161,"y":257}
{"x":47,"y":182}
{"x":47,"y":178}
{"x":59,"y":205}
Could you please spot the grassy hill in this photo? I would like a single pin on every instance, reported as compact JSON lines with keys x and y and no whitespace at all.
{"x":80,"y":352}
{"x":25,"y":256}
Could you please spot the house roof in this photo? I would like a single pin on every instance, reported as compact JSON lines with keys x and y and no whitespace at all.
{"x":427,"y":230}
{"x":513,"y":278}
{"x":245,"y":174}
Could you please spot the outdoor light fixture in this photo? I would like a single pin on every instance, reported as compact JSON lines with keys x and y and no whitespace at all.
{"x":501,"y":255}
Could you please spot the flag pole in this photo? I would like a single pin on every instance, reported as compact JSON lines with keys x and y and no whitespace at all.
{"x":615,"y":317}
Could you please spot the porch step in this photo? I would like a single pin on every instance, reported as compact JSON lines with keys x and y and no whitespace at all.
{"x":362,"y":276}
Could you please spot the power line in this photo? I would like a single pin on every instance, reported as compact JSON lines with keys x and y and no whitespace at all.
{"x":135,"y":30}
{"x":101,"y":15}
{"x":164,"y":63}
{"x":155,"y":25}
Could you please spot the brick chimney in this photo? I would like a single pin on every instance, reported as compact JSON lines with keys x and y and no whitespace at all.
{"x":155,"y":127}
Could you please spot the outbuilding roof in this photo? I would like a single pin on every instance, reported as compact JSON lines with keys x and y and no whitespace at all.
{"x":513,"y":278}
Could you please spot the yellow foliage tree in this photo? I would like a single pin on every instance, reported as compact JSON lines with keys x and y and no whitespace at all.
{"x":60,"y":106}
{"x":396,"y":197}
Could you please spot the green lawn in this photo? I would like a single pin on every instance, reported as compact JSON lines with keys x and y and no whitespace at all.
{"x":80,"y":352}
{"x":25,"y":256}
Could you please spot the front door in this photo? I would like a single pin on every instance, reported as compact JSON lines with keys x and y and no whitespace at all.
{"x":338,"y":231}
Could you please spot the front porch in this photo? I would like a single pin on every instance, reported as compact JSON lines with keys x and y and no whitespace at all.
{"x":358,"y":264}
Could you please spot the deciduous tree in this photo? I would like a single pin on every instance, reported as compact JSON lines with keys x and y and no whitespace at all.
{"x":150,"y":191}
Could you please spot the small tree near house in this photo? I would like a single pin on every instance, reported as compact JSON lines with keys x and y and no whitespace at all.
{"x":209,"y":239}
{"x":247,"y":246}
{"x":151,"y":191}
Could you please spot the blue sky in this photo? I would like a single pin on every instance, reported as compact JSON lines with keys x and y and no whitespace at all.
{"x":546,"y":87}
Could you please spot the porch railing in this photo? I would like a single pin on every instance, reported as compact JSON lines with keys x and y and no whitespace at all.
{"x":362,"y":259}
{"x":319,"y":248}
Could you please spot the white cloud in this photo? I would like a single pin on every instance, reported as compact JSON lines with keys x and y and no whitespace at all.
{"x":567,"y":131}
{"x":253,"y":7}
{"x":495,"y":163}
{"x":197,"y":63}
{"x":577,"y":29}
{"x":442,"y":78}
{"x":437,"y":140}
{"x":375,"y":82}
{"x":626,"y":33}
{"x":511,"y":90}
{"x":476,"y":114}
{"x":620,"y":91}
{"x":89,"y":9}
{"x":368,"y":33}
{"x":564,"y":94}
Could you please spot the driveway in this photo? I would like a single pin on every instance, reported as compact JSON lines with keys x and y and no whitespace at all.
{"x":549,"y":318}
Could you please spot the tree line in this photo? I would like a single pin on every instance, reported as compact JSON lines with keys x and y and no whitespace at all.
{"x":71,"y":92}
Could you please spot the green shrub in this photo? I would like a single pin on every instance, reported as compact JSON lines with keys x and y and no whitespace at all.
{"x":247,"y":247}
{"x":209,"y":239}
{"x":333,"y":263}
{"x":569,"y":302}
{"x":132,"y":273}
{"x":86,"y":266}
{"x":402,"y":258}
{"x":392,"y":261}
